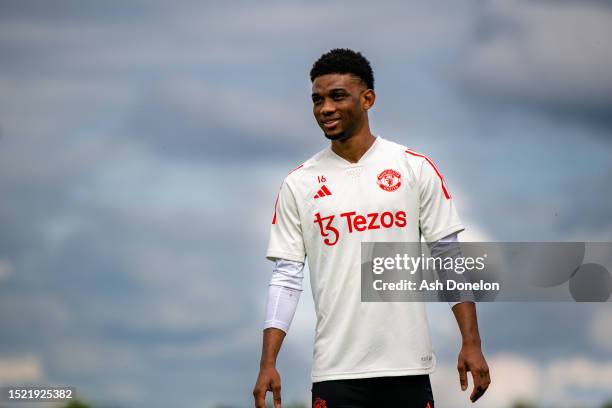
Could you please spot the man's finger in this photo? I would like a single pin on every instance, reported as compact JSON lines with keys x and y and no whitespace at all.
{"x":476,"y":393}
{"x":260,"y":398}
{"x":481,"y":383}
{"x":276,"y":393}
{"x":462,"y":377}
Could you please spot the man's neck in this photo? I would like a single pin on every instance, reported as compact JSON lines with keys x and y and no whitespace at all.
{"x":353,"y":148}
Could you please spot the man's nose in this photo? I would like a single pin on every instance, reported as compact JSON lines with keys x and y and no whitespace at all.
{"x":328,"y":107}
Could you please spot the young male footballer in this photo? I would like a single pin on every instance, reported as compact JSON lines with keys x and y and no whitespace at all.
{"x":361,"y":188}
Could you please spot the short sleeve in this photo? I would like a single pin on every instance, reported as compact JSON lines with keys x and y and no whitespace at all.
{"x":286,"y":240}
{"x":438,"y":216}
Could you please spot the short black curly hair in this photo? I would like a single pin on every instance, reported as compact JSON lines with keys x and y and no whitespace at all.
{"x":344,"y":61}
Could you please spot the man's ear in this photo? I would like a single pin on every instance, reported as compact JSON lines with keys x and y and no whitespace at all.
{"x":368,"y":97}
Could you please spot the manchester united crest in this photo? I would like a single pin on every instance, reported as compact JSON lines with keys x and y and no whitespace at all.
{"x":319,"y":403}
{"x":389,"y":180}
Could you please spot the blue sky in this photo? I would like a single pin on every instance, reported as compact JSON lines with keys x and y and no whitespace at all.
{"x":142,"y":145}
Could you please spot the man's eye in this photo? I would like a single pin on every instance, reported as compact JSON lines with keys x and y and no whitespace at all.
{"x":338,"y":96}
{"x":316,"y":100}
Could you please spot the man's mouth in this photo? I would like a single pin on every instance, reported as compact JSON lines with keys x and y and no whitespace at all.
{"x":331,"y":123}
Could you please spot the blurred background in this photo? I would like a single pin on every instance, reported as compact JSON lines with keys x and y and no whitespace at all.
{"x":142,"y":145}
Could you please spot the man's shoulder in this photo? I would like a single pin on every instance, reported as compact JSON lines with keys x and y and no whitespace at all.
{"x":410,"y":156}
{"x":315,"y":162}
{"x":419,"y":164}
{"x":301,"y":172}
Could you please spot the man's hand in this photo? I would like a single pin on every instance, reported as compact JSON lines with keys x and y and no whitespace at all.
{"x":268,"y":380}
{"x":472,"y":360}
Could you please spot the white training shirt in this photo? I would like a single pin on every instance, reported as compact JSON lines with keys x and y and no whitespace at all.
{"x":325,"y":208}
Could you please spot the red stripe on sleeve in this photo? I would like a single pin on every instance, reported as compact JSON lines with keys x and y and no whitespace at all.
{"x":446,"y":193}
{"x":276,"y":202}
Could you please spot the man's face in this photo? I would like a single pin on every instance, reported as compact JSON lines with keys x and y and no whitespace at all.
{"x":340,"y":104}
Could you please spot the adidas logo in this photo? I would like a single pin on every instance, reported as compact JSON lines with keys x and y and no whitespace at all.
{"x":323,"y":191}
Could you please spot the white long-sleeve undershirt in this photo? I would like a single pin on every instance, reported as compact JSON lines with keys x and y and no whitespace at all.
{"x":284,"y":293}
{"x":448,"y":247}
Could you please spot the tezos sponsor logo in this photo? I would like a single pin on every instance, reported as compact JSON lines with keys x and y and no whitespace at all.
{"x":358,"y":223}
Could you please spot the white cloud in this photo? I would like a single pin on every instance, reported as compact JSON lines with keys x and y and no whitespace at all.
{"x":468,"y":208}
{"x":443,"y":326}
{"x":566,"y":377}
{"x":580,"y":372}
{"x":446,"y":389}
{"x":473,"y":232}
{"x":516,"y":378}
{"x":513,"y":378}
{"x":20,"y":369}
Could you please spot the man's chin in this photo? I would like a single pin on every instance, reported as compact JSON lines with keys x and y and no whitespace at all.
{"x":336,"y":136}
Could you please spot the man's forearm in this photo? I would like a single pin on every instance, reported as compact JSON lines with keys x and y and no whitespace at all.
{"x":272,"y":341}
{"x":269,"y":378}
{"x":470,"y":357}
{"x":465,"y":313}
